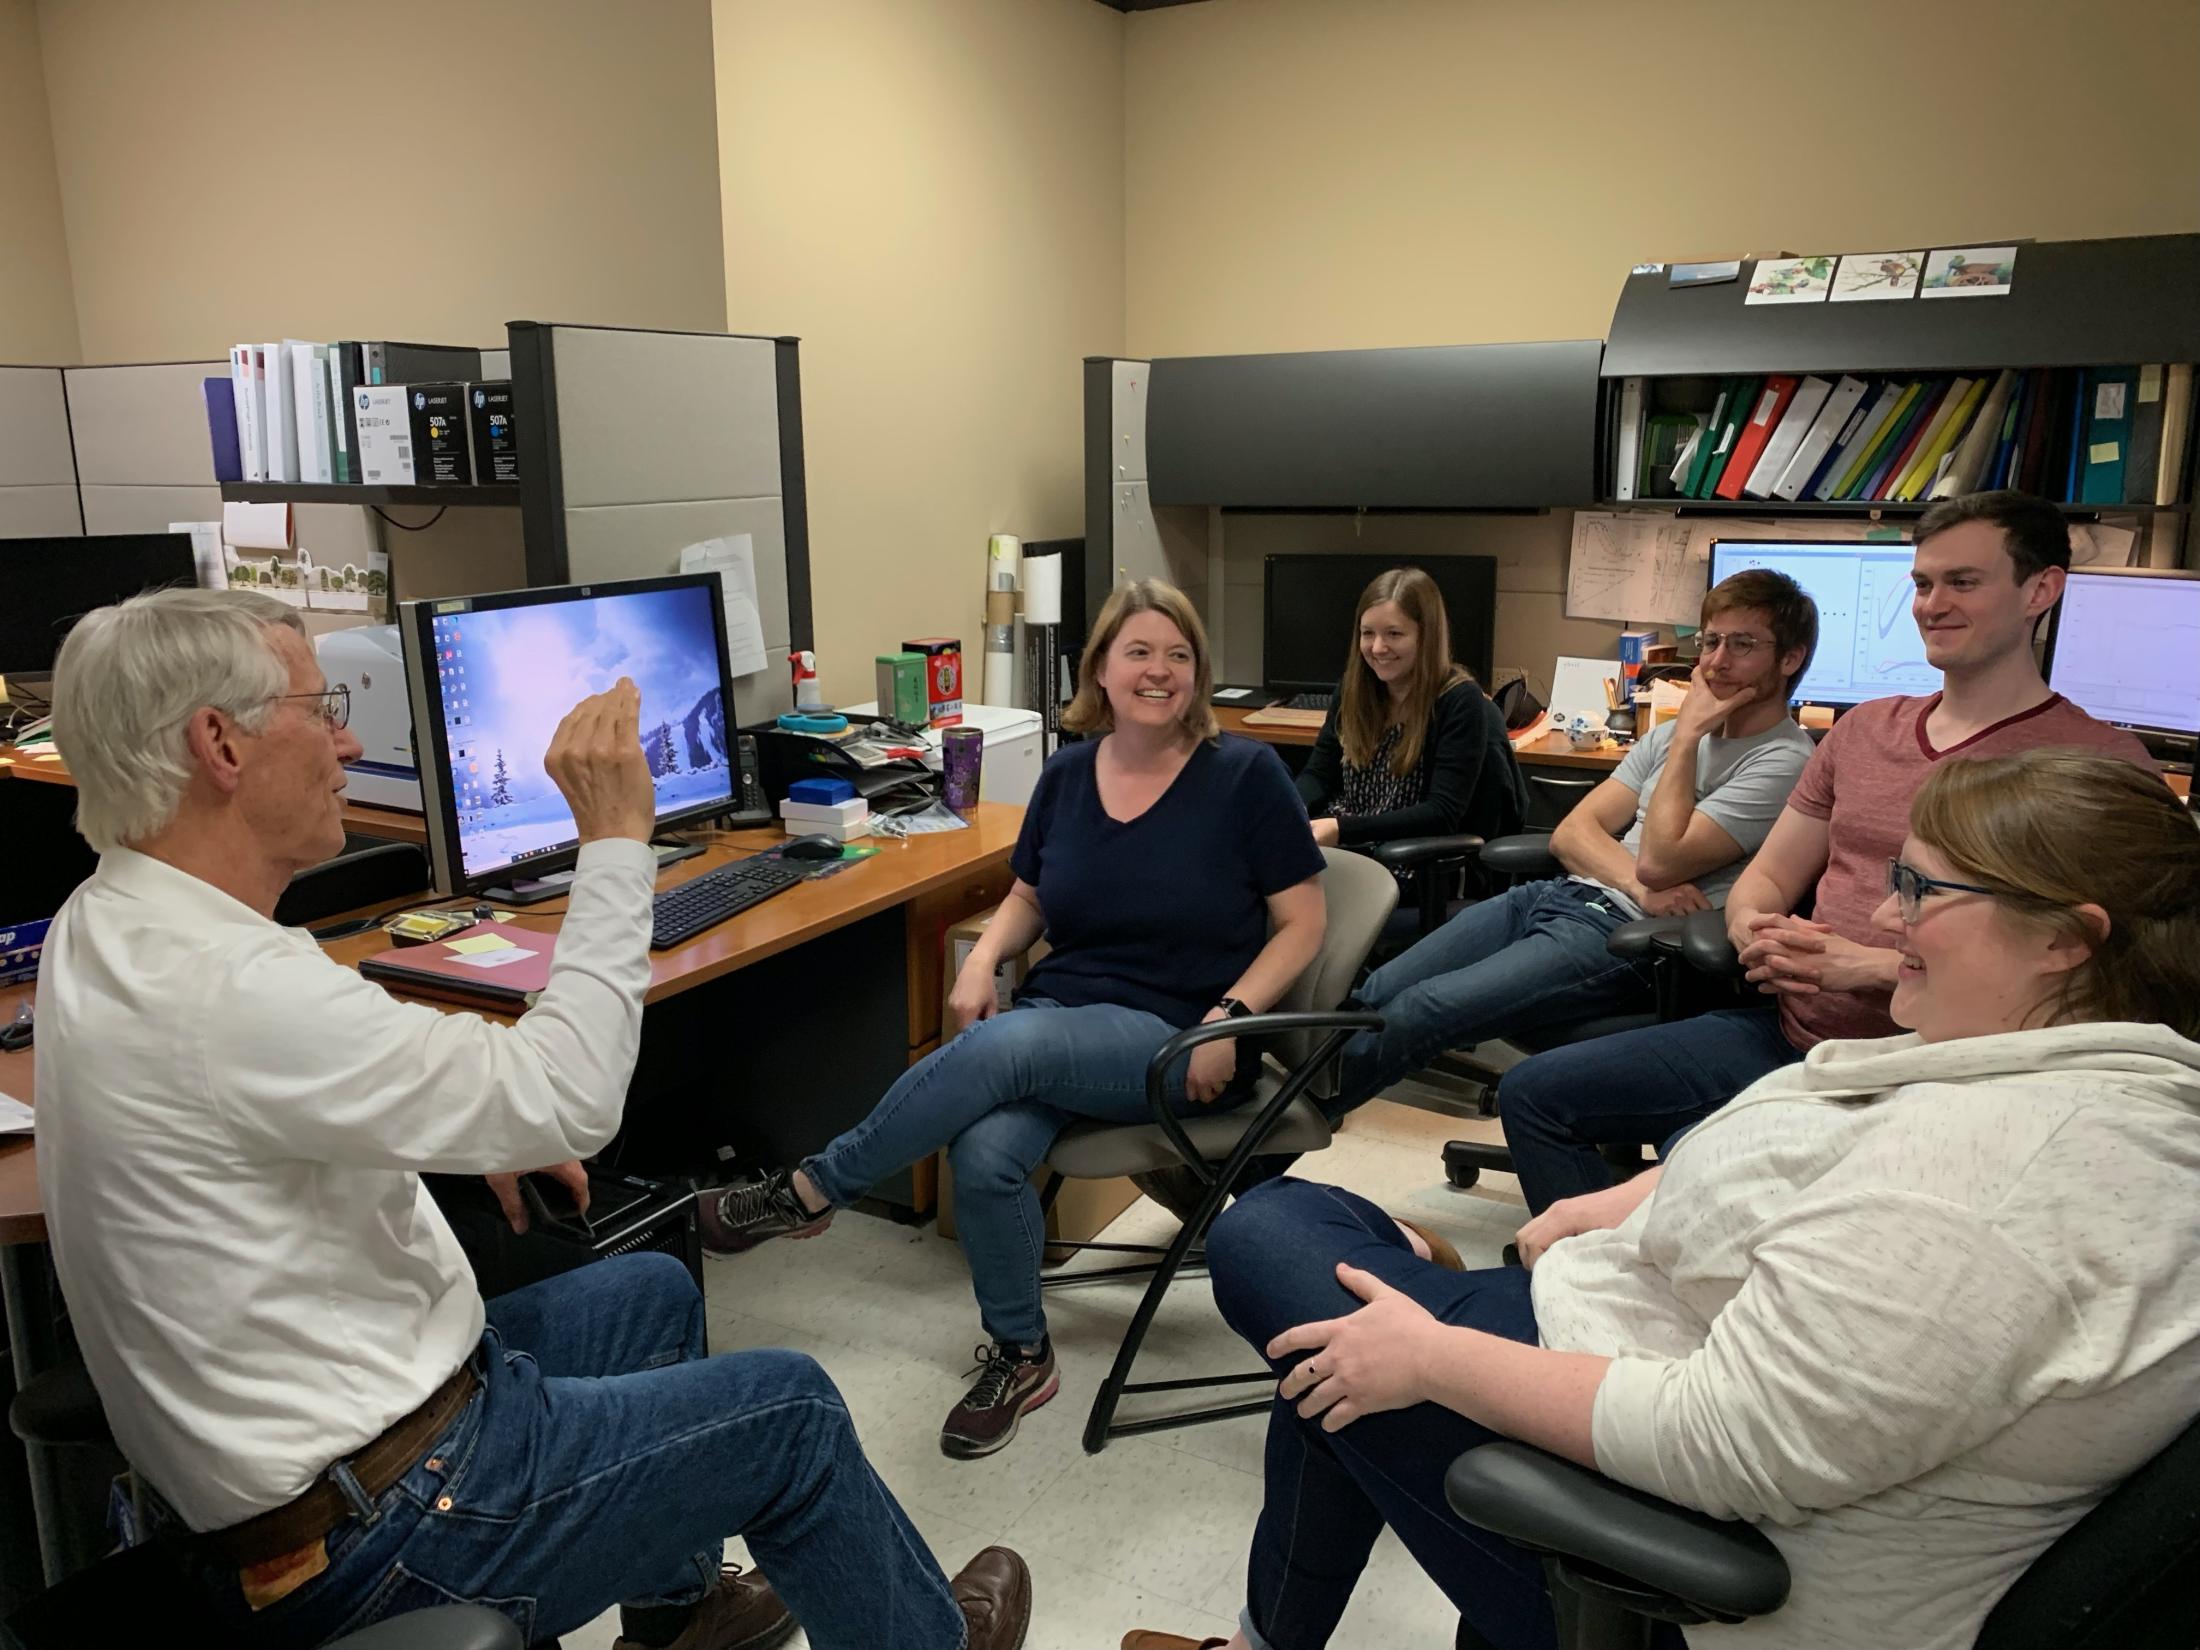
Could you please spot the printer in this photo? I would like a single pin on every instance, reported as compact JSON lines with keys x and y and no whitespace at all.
{"x":368,"y":660}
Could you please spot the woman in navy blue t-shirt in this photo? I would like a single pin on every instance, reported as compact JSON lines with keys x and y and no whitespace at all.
{"x":1176,"y":879}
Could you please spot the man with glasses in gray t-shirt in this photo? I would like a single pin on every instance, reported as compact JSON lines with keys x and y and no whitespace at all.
{"x":1694,"y":798}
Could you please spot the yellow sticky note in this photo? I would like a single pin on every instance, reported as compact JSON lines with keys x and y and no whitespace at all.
{"x":45,"y":756}
{"x":503,"y":916}
{"x":2150,"y":384}
{"x":2102,"y":452}
{"x":474,"y":943}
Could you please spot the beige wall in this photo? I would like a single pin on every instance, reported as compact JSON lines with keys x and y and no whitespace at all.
{"x":931,"y":197}
{"x":1322,"y":174}
{"x":235,"y":169}
{"x":37,"y":308}
{"x":1310,"y":174}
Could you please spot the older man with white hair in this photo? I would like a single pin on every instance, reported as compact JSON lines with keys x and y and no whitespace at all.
{"x":289,"y":1343}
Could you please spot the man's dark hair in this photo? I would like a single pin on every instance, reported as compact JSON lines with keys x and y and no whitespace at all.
{"x":1793,"y":614}
{"x":2034,"y":531}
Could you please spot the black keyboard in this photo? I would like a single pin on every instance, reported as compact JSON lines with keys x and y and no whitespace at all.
{"x":681,"y":913}
{"x":1309,"y":701}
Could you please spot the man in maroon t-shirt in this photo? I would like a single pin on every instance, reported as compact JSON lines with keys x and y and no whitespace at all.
{"x":1987,"y":568}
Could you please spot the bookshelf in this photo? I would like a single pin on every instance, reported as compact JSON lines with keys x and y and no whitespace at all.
{"x":2079,"y":313}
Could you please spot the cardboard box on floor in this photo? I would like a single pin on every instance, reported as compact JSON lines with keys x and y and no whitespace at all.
{"x":1083,"y":1207}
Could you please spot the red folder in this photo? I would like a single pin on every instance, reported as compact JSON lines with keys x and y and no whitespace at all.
{"x":460,"y":970}
{"x":1756,"y":430}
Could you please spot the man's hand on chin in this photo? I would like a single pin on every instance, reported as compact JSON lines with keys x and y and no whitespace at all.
{"x":568,"y":1174}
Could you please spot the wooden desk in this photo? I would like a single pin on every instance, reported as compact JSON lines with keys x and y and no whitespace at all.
{"x":935,"y":881}
{"x":360,"y":818}
{"x":1550,"y":750}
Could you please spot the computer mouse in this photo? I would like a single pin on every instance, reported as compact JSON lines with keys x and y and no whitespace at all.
{"x":813,"y":847}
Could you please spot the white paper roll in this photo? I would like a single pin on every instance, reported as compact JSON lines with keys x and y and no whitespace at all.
{"x":1004,"y":556}
{"x":1043,"y":590}
{"x":1000,"y":680}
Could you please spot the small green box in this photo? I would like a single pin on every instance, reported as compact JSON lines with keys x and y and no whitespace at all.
{"x":901,"y":692}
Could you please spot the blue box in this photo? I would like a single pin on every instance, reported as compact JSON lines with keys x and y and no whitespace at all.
{"x":19,"y":949}
{"x":824,"y":792}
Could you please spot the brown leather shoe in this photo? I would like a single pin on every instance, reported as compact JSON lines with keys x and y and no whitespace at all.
{"x":994,"y":1591}
{"x":1142,"y":1638}
{"x":984,"y":1418}
{"x":1439,"y":1250}
{"x":743,"y":1613}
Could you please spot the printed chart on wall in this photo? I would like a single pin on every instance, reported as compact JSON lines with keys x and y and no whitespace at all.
{"x":1645,"y":568}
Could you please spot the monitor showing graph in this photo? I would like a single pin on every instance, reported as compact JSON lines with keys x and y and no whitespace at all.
{"x":2126,"y":648}
{"x":1868,"y":645}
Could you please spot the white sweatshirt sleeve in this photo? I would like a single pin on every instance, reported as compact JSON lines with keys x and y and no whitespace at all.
{"x":1842,"y":1367}
{"x":307,"y":1059}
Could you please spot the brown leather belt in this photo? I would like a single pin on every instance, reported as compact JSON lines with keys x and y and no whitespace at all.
{"x":377,"y":1465}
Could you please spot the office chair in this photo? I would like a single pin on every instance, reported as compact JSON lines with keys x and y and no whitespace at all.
{"x":1618,"y":1559}
{"x":141,"y":1596}
{"x":1302,"y":1037}
{"x":1524,"y":858}
{"x":373,"y":875}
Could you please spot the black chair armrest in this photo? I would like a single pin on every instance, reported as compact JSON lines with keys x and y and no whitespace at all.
{"x":1338,"y":1022}
{"x":1704,"y":1568}
{"x":1524,"y":854}
{"x":1410,"y":853}
{"x":1705,"y":947}
{"x":1644,"y":936}
{"x":447,"y":1627}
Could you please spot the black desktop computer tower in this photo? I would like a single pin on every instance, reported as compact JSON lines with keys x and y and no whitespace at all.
{"x":626,"y":1215}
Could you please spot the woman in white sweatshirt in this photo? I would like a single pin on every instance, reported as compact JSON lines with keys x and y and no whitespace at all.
{"x":1913,"y":1305}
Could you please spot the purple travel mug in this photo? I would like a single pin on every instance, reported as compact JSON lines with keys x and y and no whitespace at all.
{"x":963,"y":753}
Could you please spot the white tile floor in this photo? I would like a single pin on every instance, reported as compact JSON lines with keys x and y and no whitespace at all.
{"x":1151,"y":1532}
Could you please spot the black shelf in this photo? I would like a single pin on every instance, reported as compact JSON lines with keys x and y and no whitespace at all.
{"x":1446,"y":427}
{"x":307,"y":492}
{"x":1906,"y":510}
{"x":2074,"y":304}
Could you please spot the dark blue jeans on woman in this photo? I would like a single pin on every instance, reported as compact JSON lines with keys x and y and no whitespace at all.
{"x":604,"y":1459}
{"x":1273,"y":1258}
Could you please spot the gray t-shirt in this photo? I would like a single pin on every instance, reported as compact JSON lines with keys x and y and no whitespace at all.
{"x":1741,"y":786}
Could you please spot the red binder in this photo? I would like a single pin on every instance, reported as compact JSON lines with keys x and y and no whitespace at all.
{"x":506,"y":977}
{"x":1756,"y":430}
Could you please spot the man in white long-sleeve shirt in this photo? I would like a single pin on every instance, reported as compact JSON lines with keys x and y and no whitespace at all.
{"x":288,"y":1341}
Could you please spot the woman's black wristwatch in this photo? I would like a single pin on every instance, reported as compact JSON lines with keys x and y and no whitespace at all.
{"x":1232,"y":1009}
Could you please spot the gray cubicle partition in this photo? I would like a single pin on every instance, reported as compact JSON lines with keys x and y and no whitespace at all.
{"x":37,"y":466}
{"x":635,"y":444}
{"x":143,"y":457}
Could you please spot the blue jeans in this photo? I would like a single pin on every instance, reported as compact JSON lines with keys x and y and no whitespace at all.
{"x":604,"y":1459}
{"x":1273,"y":1258}
{"x":996,"y":1097}
{"x":1638,"y":1088}
{"x":1533,"y":956}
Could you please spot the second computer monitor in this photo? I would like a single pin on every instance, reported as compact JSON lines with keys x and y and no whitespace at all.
{"x":1868,"y":644}
{"x":1306,"y":630}
{"x":2126,"y":648}
{"x":492,"y":676}
{"x":50,"y":583}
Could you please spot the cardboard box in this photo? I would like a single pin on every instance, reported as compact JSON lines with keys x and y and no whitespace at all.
{"x":1084,"y":1207}
{"x":943,"y":678}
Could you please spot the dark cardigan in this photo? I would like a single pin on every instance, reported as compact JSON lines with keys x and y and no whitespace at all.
{"x":1471,"y":781}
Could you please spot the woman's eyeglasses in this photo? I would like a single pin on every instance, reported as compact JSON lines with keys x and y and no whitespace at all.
{"x":1911,"y":885}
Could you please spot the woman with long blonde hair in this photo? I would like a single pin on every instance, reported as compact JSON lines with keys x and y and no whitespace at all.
{"x":1412,"y":746}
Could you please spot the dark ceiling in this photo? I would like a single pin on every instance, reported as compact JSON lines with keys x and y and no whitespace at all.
{"x":1145,"y":5}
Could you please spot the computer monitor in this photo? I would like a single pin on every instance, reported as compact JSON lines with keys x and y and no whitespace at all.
{"x":2125,"y":647}
{"x":47,"y":584}
{"x":1306,"y":627}
{"x":1868,"y":644}
{"x":492,"y":676}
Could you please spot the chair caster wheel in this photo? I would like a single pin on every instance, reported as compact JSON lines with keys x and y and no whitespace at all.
{"x":1462,"y":1175}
